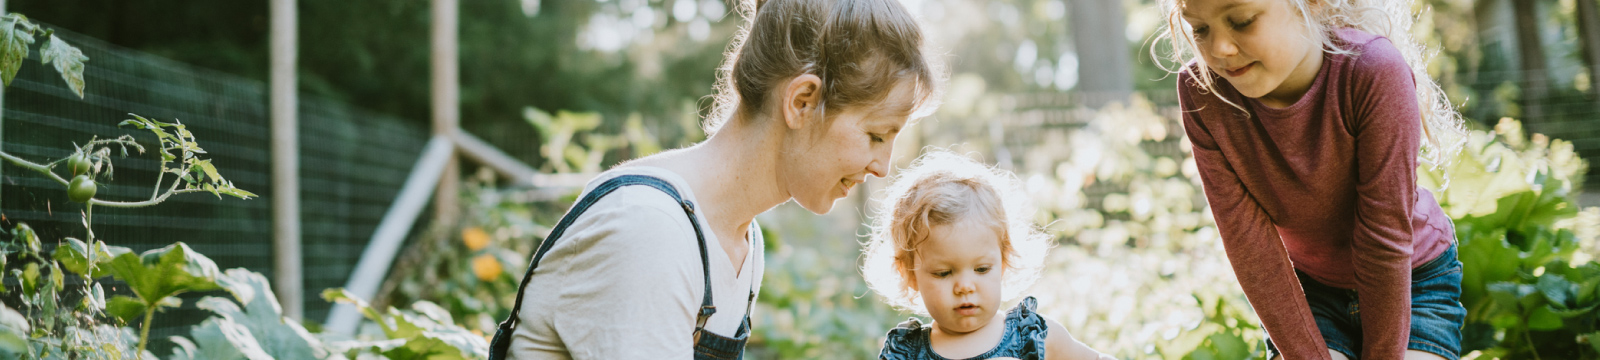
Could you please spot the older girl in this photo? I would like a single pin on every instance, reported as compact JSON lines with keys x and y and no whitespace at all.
{"x":809,"y":101}
{"x":1306,"y":119}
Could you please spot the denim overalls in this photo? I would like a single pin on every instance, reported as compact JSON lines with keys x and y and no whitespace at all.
{"x":707,"y":345}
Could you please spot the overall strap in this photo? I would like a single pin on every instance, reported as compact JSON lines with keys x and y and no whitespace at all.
{"x":502,"y":339}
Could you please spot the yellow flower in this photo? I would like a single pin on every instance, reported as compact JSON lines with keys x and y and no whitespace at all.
{"x":486,"y":267}
{"x":475,"y":238}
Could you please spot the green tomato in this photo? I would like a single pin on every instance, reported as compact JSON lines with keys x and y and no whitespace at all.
{"x":82,"y":189}
{"x":79,"y":164}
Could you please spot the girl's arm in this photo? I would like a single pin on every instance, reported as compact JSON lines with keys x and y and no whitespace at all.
{"x":1384,"y":118}
{"x":1257,"y":254}
{"x":1059,"y":345}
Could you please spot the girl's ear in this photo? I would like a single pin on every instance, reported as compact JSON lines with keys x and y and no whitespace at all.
{"x":911,"y":279}
{"x":801,"y":97}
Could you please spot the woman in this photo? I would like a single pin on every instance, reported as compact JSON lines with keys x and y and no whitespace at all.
{"x":808,"y":104}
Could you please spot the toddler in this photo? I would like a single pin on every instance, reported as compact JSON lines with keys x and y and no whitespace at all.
{"x":952,"y":242}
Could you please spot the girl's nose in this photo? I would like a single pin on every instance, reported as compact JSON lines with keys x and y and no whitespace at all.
{"x":1223,"y":47}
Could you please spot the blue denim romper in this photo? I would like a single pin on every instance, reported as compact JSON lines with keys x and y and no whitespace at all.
{"x":707,"y":345}
{"x":1023,"y":338}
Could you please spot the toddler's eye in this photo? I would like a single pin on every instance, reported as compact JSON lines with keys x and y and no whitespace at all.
{"x":983,"y":269}
{"x":876,"y":138}
{"x":1200,"y":31}
{"x":941,"y":273}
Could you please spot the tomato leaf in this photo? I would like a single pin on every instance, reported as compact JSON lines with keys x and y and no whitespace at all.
{"x":67,"y":59}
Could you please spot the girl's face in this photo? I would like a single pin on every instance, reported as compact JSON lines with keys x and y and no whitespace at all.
{"x":958,"y":273}
{"x":1262,"y":47}
{"x":856,"y":143}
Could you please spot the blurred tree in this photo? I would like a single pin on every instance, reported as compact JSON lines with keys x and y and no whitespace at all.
{"x":1099,"y":31}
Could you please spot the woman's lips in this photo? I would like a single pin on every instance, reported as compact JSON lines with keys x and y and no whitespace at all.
{"x":1241,"y":70}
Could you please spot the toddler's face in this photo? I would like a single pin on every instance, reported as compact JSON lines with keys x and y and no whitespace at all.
{"x":958,"y":273}
{"x":1262,"y":47}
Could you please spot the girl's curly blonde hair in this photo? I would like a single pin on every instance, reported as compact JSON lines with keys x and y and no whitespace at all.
{"x":942,"y":188}
{"x":1442,"y":127}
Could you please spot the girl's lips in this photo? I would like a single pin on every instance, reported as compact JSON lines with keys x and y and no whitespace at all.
{"x":1241,"y":70}
{"x":967,"y":309}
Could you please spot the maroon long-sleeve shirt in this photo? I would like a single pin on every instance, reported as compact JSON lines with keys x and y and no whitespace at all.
{"x":1326,"y":185}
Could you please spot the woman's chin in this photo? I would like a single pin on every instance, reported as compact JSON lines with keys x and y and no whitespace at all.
{"x":819,"y":206}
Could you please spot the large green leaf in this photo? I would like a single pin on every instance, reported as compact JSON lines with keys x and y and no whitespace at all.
{"x":67,"y":59}
{"x":16,"y":33}
{"x":1486,"y":258}
{"x":74,"y":257}
{"x":1543,"y":318}
{"x":427,"y":330}
{"x":218,"y":338}
{"x":1229,"y":346}
{"x":127,"y":309}
{"x":281,"y":337}
{"x":14,"y":332}
{"x":164,"y":272}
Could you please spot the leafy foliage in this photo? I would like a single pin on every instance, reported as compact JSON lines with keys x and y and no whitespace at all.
{"x":17,"y":33}
{"x":1528,"y":286}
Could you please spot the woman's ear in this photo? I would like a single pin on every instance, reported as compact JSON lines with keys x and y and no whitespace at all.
{"x":801,"y":97}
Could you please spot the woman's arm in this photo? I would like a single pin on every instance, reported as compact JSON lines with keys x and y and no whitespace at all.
{"x":1060,"y":345}
{"x":1257,"y":254}
{"x":1386,"y":123}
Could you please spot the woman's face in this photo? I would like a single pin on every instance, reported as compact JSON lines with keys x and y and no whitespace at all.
{"x":958,"y":274}
{"x":1262,"y":47}
{"x":826,"y":163}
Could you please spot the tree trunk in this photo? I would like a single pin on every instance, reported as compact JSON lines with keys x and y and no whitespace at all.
{"x":1589,"y":34}
{"x":1535,"y":82}
{"x":1105,"y":67}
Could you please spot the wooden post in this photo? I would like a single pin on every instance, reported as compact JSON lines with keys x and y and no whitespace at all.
{"x":446,"y":106}
{"x":286,"y":267}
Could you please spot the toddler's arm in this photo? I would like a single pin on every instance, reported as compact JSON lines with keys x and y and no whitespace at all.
{"x":1059,"y":345}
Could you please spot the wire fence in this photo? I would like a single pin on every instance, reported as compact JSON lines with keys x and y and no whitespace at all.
{"x":352,"y":163}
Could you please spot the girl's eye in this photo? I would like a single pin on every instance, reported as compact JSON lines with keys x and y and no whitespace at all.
{"x":983,"y":269}
{"x":941,"y":273}
{"x":1200,"y":31}
{"x":876,"y":138}
{"x":1243,"y":24}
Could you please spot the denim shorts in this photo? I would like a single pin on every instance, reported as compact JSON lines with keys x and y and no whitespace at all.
{"x":1436,"y":311}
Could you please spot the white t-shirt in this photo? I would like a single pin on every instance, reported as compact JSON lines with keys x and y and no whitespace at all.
{"x":625,"y":280}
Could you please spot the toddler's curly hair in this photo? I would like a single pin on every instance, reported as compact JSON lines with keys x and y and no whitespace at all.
{"x":942,"y":188}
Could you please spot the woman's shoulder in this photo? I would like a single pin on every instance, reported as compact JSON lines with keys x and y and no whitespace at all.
{"x":905,"y":341}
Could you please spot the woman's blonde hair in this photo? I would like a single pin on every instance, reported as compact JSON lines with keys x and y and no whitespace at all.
{"x":861,"y":49}
{"x":943,"y":188}
{"x":1441,"y":123}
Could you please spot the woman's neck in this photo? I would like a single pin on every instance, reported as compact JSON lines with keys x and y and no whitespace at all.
{"x":733,"y":174}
